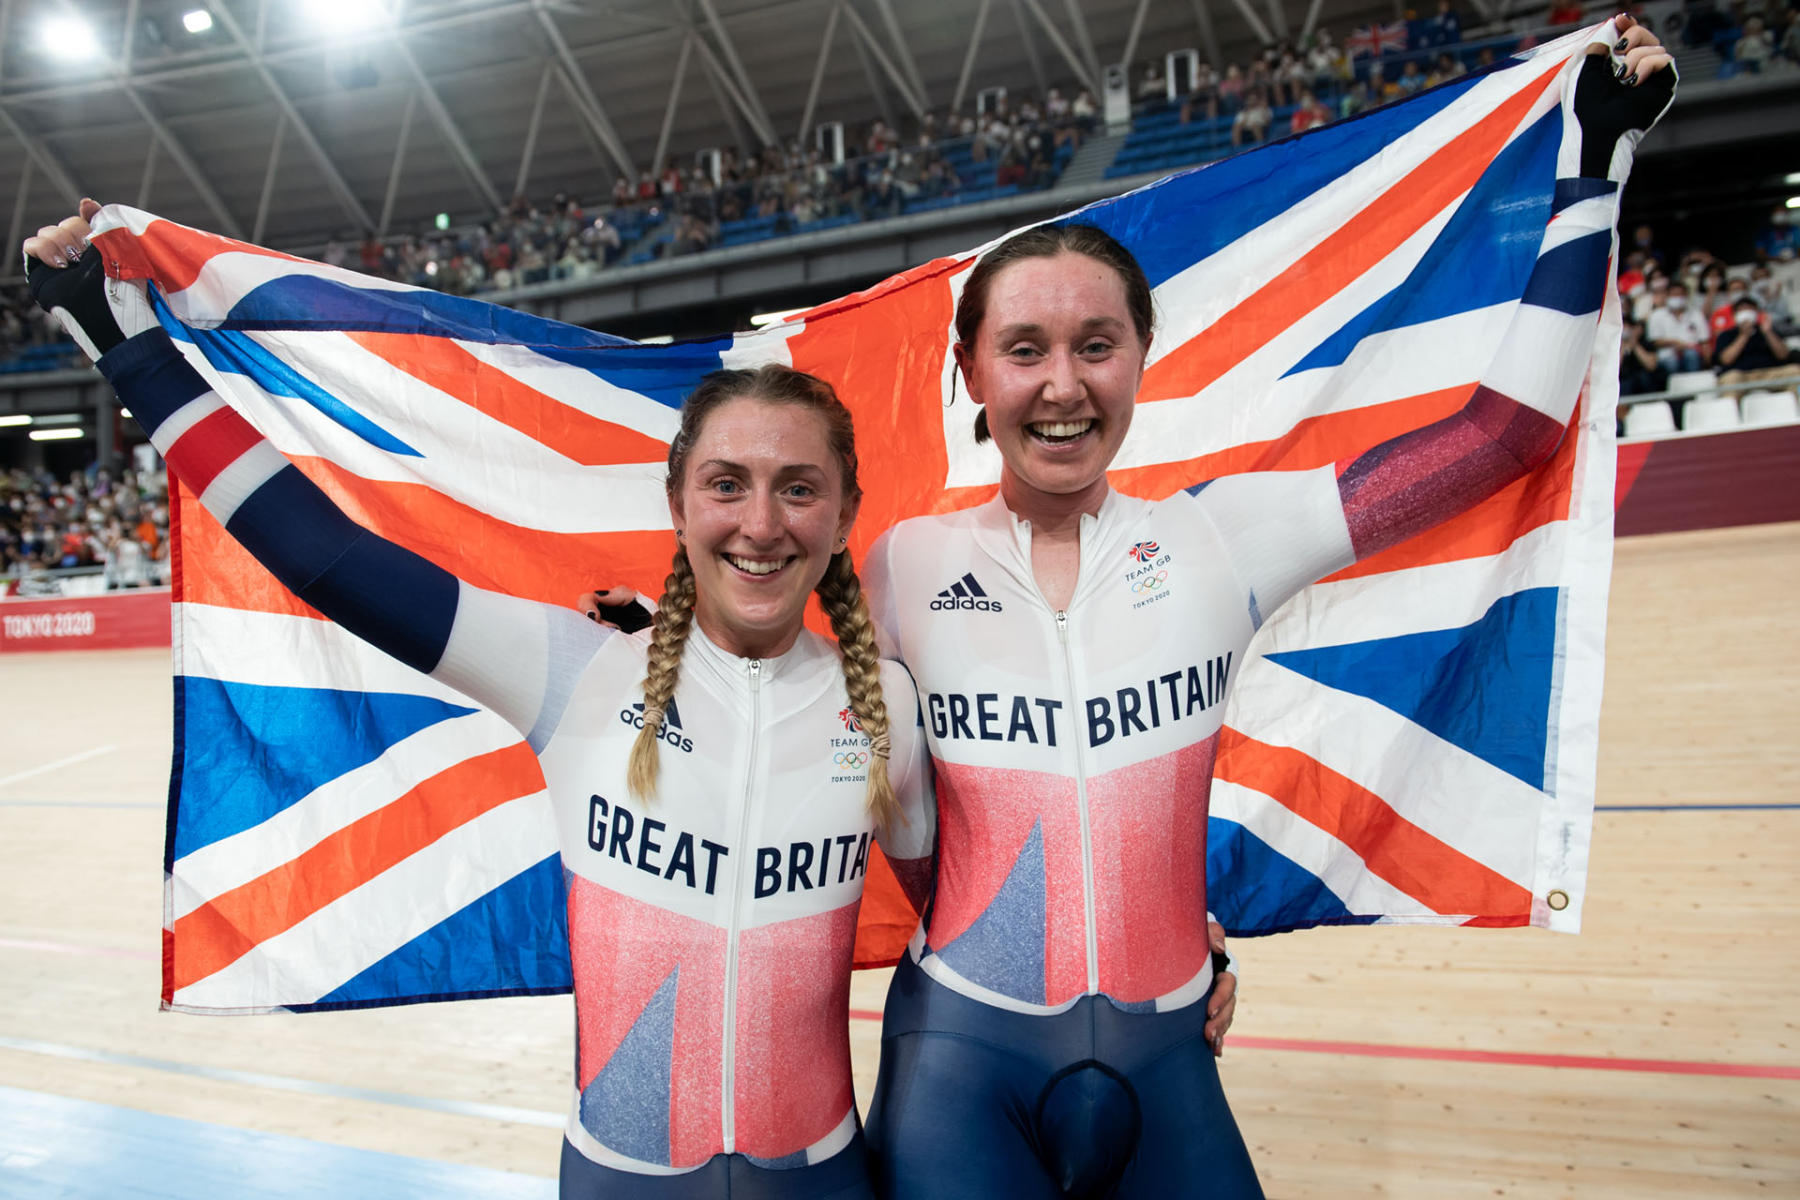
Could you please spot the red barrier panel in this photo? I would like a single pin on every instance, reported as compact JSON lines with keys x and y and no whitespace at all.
{"x":1709,"y":482}
{"x":109,"y":621}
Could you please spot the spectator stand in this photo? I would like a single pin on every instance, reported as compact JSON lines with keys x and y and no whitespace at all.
{"x":1695,"y":403}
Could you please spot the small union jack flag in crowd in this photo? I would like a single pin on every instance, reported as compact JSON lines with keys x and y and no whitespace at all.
{"x":1143,"y":551}
{"x":1375,"y":40}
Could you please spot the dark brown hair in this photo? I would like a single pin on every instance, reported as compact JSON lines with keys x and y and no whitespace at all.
{"x":1047,"y":241}
{"x":839,"y":592}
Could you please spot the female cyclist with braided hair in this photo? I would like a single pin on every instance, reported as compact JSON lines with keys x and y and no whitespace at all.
{"x":716,"y":787}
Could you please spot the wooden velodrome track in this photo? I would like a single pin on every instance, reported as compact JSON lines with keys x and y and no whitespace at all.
{"x":1657,"y":1054}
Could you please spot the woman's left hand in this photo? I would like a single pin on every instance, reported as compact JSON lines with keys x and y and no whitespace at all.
{"x":1619,"y":93}
{"x":1222,"y":1004}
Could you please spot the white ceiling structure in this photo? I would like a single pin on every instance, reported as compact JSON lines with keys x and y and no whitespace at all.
{"x":285,"y":127}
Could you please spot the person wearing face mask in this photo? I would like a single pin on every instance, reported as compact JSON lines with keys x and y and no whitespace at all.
{"x":1710,"y":294}
{"x":1719,"y":310}
{"x":1769,"y":294}
{"x":1750,"y":350}
{"x":1678,"y":334}
{"x":715,"y":859}
{"x":1652,"y":294}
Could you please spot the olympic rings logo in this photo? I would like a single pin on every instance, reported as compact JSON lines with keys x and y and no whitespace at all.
{"x":850,"y":758}
{"x":1149,"y":583}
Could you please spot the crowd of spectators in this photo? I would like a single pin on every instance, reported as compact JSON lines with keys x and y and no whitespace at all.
{"x":678,"y":210}
{"x":89,"y":519}
{"x":24,"y":326}
{"x":1699,"y":314}
{"x":1315,"y":80}
{"x":1750,"y":36}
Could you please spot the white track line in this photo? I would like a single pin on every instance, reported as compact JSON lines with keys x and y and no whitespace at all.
{"x":96,"y":752}
{"x":286,"y":1083}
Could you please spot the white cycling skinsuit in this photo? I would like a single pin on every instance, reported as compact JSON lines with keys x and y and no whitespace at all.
{"x":711,"y":928}
{"x":1047,"y":1008}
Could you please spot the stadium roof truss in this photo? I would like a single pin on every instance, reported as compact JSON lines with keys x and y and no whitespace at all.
{"x":273,"y":125}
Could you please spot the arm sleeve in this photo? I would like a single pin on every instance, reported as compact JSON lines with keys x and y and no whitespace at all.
{"x":513,"y":656}
{"x":877,"y":576}
{"x":1285,"y":529}
{"x":911,"y":842}
{"x":1517,"y":414}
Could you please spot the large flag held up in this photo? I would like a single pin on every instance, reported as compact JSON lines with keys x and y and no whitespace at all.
{"x":1412,"y":740}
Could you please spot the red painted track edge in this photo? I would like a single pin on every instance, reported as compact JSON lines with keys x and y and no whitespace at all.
{"x":1580,"y":1062}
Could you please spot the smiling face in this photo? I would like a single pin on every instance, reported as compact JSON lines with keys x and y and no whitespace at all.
{"x":1056,"y":362}
{"x":762,"y":507}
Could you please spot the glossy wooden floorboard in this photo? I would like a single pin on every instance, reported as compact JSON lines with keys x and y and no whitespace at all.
{"x":1687,"y":955}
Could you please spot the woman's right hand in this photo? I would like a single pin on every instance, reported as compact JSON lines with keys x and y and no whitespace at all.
{"x":60,"y":244}
{"x":615,"y":608}
{"x":72,"y":285}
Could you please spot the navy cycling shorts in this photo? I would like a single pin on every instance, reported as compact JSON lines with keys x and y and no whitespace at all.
{"x":975,"y":1102}
{"x":843,"y":1176}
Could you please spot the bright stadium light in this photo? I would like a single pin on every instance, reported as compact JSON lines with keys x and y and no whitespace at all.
{"x":70,"y":38}
{"x":15,"y":419}
{"x":346,"y":16}
{"x":197,"y":21}
{"x":775,"y":318}
{"x":55,"y":435}
{"x":1793,"y":201}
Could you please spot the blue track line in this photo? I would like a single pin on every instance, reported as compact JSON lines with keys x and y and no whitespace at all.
{"x":53,"y":1146}
{"x":1695,"y":807}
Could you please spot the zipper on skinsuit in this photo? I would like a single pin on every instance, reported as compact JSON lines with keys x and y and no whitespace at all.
{"x":1081,"y":802}
{"x":728,"y":1074}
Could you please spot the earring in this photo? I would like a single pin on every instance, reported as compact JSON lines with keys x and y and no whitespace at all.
{"x":678,"y":534}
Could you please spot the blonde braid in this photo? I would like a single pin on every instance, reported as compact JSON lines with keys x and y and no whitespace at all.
{"x":840,"y":595}
{"x":674,"y":619}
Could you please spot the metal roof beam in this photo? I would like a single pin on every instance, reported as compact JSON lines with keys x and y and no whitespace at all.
{"x":968,"y":67}
{"x":723,"y":81}
{"x":47,"y":162}
{"x":903,"y":49}
{"x":327,"y":169}
{"x":753,"y":105}
{"x":875,"y":89}
{"x":866,"y":40}
{"x":1031,"y":51}
{"x":1209,"y":40}
{"x":1137,"y":30}
{"x":674,"y":104}
{"x":1252,"y":20}
{"x":398,"y":170}
{"x":227,"y":222}
{"x":1078,"y":22}
{"x":818,"y":75}
{"x":459,"y":145}
{"x":1278,"y":18}
{"x":531,"y":130}
{"x":1062,"y":47}
{"x":587,"y":104}
{"x":22,"y":198}
{"x":268,"y":189}
{"x":148,"y":178}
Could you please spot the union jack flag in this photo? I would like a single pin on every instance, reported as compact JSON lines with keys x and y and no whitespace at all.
{"x":1412,"y":739}
{"x":1373,"y":41}
{"x":1143,"y":551}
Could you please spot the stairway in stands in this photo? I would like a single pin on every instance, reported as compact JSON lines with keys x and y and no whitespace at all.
{"x":1090,"y":162}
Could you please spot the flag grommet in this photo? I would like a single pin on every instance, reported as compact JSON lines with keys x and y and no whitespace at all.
{"x":1557,"y":900}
